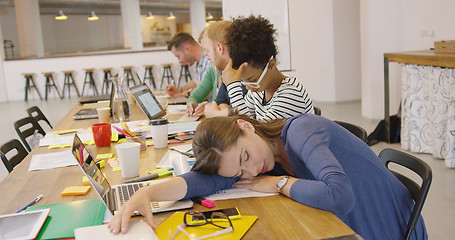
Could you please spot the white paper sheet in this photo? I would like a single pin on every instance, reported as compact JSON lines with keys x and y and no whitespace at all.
{"x":52,"y":160}
{"x":233,"y":193}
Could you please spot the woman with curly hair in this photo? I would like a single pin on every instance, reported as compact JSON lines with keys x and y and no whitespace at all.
{"x":271,"y":94}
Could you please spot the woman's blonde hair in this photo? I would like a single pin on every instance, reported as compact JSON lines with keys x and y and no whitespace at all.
{"x":215,"y":135}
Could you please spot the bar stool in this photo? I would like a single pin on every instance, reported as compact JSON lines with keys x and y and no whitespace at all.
{"x":50,"y":83}
{"x":128,"y":75}
{"x":68,"y":82}
{"x":90,"y":81}
{"x":167,"y":73}
{"x":185,"y":72}
{"x":149,"y":75}
{"x":29,"y":84}
{"x":107,"y":81}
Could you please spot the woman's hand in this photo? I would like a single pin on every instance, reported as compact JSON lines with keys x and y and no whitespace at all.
{"x":260,"y":183}
{"x":140,"y":201}
{"x":230,"y":75}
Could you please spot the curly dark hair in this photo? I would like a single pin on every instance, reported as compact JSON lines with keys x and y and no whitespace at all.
{"x":251,"y":40}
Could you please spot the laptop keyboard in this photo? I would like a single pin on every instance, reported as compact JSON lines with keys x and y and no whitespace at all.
{"x":126,"y":191}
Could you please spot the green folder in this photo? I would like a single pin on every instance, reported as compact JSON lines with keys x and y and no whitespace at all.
{"x":65,"y":217}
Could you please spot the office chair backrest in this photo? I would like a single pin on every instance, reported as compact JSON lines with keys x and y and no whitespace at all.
{"x":26,"y":128}
{"x":317,"y":111}
{"x":38,"y":115}
{"x":354,"y":129}
{"x":418,"y":193}
{"x":7,"y":149}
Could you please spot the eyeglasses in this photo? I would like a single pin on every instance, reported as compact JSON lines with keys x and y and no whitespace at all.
{"x":195,"y":219}
{"x":256,"y":84}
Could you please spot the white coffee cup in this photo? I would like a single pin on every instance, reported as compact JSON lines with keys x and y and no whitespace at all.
{"x":104,"y":114}
{"x":159,"y":128}
{"x":128,"y":158}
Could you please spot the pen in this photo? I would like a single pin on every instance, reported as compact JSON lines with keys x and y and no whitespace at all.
{"x":183,"y":153}
{"x":204,"y":202}
{"x":30,"y":203}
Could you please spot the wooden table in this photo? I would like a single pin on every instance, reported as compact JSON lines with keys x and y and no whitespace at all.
{"x":279,"y":216}
{"x":425,"y":57}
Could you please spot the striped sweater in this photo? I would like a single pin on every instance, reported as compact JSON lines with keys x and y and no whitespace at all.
{"x":289,"y":100}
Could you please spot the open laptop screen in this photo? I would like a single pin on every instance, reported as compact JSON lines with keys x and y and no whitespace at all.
{"x":88,"y":165}
{"x":147,"y":101}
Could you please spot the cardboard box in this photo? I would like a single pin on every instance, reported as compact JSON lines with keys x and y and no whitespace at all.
{"x":444,"y":46}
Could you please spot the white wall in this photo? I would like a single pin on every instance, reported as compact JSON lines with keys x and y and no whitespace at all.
{"x":325,"y":52}
{"x":394,"y":26}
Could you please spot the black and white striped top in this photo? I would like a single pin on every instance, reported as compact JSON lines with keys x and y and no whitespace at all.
{"x":289,"y":100}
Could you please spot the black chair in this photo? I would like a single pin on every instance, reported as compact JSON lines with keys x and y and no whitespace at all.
{"x":36,"y":113}
{"x":354,"y":129}
{"x":26,"y":128}
{"x":418,"y":193}
{"x":317,"y":111}
{"x":7,"y":148}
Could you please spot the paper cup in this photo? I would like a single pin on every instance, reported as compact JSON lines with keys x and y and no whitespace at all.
{"x":128,"y":158}
{"x":159,"y":130}
{"x":104,"y":114}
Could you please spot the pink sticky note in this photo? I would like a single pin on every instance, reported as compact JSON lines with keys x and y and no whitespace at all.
{"x":113,"y":164}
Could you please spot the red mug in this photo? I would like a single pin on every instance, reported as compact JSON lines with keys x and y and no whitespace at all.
{"x":102,"y":134}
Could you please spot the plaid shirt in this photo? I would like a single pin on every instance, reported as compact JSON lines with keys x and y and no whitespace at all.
{"x":201,"y":68}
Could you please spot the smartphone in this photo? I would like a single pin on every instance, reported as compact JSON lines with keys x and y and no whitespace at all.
{"x":185,"y":137}
{"x":231,"y":213}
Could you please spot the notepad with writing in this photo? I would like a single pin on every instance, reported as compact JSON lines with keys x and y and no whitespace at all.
{"x":65,"y":217}
{"x":241,"y":226}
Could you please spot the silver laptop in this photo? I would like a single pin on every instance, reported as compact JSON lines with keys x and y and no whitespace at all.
{"x":115,"y":196}
{"x":88,"y":113}
{"x":152,"y":108}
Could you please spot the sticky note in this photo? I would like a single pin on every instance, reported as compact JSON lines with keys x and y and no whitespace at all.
{"x":101,"y":163}
{"x":162,"y":172}
{"x":85,"y":181}
{"x":149,"y":143}
{"x":112,"y":159}
{"x":114,"y":137}
{"x":116,"y":169}
{"x":113,"y":164}
{"x":121,"y":140}
{"x":104,"y":156}
{"x":76,"y":190}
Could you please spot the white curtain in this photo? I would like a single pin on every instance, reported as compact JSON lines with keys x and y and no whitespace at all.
{"x":428,"y":111}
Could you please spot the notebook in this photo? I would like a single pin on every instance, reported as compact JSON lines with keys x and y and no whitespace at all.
{"x":136,"y":230}
{"x":93,"y":99}
{"x":115,"y":196}
{"x":152,"y":108}
{"x":65,"y":217}
{"x":88,"y":113}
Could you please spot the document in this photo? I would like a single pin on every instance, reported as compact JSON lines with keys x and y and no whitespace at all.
{"x":52,"y":160}
{"x":233,"y":193}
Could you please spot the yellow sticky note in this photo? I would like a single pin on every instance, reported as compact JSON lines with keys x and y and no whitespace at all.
{"x":121,"y":140}
{"x":104,"y":156}
{"x":88,"y":142}
{"x":85,"y":181}
{"x":149,"y":142}
{"x":55,"y":146}
{"x":116,"y":168}
{"x":114,"y":137}
{"x":102,"y":163}
{"x":76,"y":190}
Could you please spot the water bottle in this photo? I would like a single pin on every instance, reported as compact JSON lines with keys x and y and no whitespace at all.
{"x":120,"y":108}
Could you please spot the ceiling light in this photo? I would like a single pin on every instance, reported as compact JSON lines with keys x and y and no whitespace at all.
{"x":93,"y":17}
{"x":209,"y":16}
{"x":150,"y":16}
{"x":61,"y":16}
{"x":171,"y":16}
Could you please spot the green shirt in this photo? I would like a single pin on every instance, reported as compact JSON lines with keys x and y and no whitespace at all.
{"x":208,"y":85}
